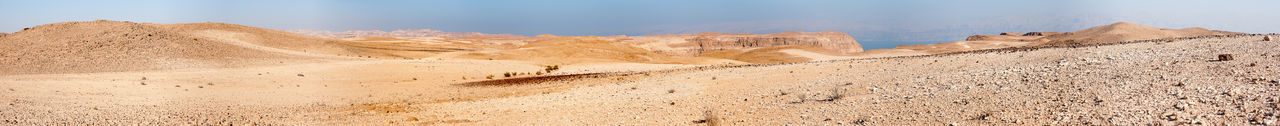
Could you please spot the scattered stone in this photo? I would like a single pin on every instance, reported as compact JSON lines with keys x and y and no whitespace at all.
{"x":1266,"y":38}
{"x":1225,"y":57}
{"x":300,"y":75}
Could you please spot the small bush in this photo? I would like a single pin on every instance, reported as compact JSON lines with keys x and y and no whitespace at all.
{"x":507,"y":74}
{"x":489,"y":77}
{"x":551,"y":68}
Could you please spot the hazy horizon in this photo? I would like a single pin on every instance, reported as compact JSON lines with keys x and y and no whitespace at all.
{"x":882,"y":21}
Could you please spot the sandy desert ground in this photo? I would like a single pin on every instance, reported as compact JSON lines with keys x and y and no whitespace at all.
{"x":318,"y":81}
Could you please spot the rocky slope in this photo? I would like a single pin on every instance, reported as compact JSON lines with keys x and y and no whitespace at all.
{"x":1125,"y":31}
{"x":113,"y":46}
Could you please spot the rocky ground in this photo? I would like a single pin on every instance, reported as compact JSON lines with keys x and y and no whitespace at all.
{"x":1163,"y":82}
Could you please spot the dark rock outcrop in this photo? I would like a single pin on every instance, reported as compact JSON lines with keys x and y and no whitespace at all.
{"x":1041,"y":33}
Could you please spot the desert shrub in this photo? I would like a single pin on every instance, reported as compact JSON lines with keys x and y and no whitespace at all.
{"x":551,"y":68}
{"x":489,"y":77}
{"x":506,"y":74}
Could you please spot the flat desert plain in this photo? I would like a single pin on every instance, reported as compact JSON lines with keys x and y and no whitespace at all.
{"x":124,"y":73}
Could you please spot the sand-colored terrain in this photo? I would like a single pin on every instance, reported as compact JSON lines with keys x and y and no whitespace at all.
{"x":1116,"y":32}
{"x":113,"y":46}
{"x":268,"y":77}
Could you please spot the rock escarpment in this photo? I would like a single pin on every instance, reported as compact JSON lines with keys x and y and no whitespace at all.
{"x":696,"y":44}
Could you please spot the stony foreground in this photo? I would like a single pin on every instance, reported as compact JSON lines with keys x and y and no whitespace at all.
{"x":1165,"y":82}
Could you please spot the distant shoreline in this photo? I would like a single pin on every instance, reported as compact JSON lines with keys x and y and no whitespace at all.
{"x":867,"y":45}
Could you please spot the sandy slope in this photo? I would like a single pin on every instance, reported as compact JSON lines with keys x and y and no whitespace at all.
{"x":1141,"y":83}
{"x":1125,"y":31}
{"x":112,"y":46}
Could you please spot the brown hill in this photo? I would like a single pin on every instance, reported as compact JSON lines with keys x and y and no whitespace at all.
{"x":111,"y":46}
{"x":1125,"y":31}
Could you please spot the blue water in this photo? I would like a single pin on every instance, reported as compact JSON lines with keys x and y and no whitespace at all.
{"x":867,"y":45}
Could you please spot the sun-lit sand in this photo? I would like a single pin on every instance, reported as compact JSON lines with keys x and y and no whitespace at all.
{"x":118,"y":73}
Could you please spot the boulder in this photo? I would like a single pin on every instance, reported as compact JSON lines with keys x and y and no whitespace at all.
{"x":1225,"y":57}
{"x":1264,"y":38}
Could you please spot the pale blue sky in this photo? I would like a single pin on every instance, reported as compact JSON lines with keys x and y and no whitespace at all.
{"x":883,"y":20}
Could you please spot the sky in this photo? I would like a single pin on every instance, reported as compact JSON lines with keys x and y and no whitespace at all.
{"x":886,"y":21}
